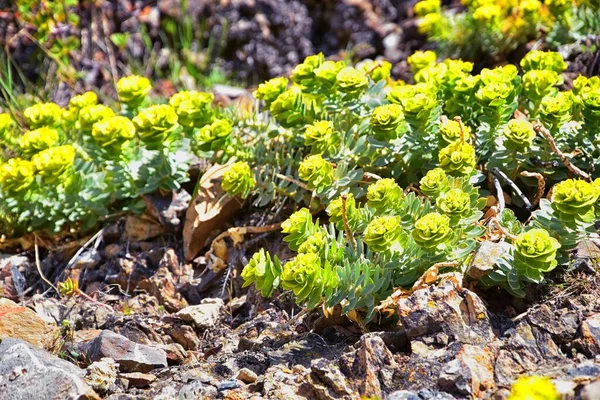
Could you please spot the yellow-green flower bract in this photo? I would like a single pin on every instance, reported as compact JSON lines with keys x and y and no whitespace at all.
{"x":351,"y":82}
{"x":155,"y":124}
{"x":112,"y":132}
{"x":298,"y":228}
{"x":82,"y":100}
{"x":304,"y":74}
{"x":537,"y":84}
{"x":543,"y":60}
{"x":132,"y":90}
{"x":385,"y":194}
{"x":425,"y":7}
{"x":238,"y":179}
{"x":16,"y":175}
{"x":52,"y":163}
{"x":193,"y":108}
{"x":377,"y":70}
{"x":458,"y":158}
{"x":302,"y":275}
{"x":519,"y":134}
{"x":287,"y":108}
{"x":383,"y":233}
{"x":386,"y":120}
{"x":535,"y":253}
{"x":326,"y":74}
{"x":214,"y":136}
{"x":489,"y":14}
{"x":504,"y":74}
{"x":316,"y":171}
{"x":7,"y":129}
{"x":431,"y":24}
{"x":421,"y":59}
{"x":320,"y":136}
{"x":431,"y":230}
{"x":455,"y":203}
{"x":453,"y":131}
{"x":556,"y":110}
{"x":42,"y":114}
{"x":89,"y":115}
{"x":493,"y":94}
{"x":271,"y":89}
{"x":533,"y":388}
{"x":574,"y":197}
{"x":314,"y":244}
{"x":37,"y":140}
{"x":263,"y":271}
{"x":434,"y":182}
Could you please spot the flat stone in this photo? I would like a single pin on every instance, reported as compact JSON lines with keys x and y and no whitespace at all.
{"x":27,"y":372}
{"x":197,"y":390}
{"x":131,"y":356}
{"x":138,"y":379}
{"x":19,"y":322}
{"x":204,"y":315}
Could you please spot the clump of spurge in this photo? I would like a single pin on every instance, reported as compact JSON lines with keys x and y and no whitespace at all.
{"x":405,"y":172}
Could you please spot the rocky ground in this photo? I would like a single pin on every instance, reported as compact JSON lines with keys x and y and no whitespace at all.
{"x":152,"y":325}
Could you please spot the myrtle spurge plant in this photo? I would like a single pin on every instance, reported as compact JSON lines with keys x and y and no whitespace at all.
{"x":494,"y":28}
{"x":400,"y":174}
{"x":66,"y":168}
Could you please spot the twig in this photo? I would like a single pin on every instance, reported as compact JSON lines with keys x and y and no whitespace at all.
{"x":111,"y":54}
{"x":39,"y":267}
{"x":502,"y":229}
{"x":565,"y":160}
{"x":541,"y":185}
{"x":96,"y":237}
{"x":514,"y":187}
{"x":291,"y":180}
{"x":346,"y":226}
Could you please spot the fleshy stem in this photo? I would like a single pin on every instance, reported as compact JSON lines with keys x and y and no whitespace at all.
{"x":346,"y":226}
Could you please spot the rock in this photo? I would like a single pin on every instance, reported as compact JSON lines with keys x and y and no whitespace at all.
{"x":485,"y":258}
{"x":589,"y":342}
{"x":247,"y":376}
{"x":26,"y":370}
{"x":101,"y":375}
{"x":175,"y":353}
{"x":370,"y":367}
{"x":327,"y":381}
{"x":210,"y":208}
{"x":140,"y":228}
{"x":162,"y":286}
{"x":12,"y":281}
{"x":458,"y":313}
{"x":471,"y":372}
{"x":184,"y":335}
{"x":403,"y":395}
{"x":169,"y":209}
{"x":132,"y":357}
{"x":18,"y":322}
{"x":523,"y":352}
{"x":197,"y":390}
{"x":591,"y":391}
{"x":138,"y":379}
{"x":204,"y":315}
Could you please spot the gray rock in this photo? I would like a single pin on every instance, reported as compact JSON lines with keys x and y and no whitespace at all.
{"x":459,"y":313}
{"x":204,"y":315}
{"x":197,"y":390}
{"x":470,"y":373}
{"x":29,"y":373}
{"x":591,"y":391}
{"x":132,"y":357}
{"x":101,"y":375}
{"x":138,"y":379}
{"x":327,"y":381}
{"x":403,"y":395}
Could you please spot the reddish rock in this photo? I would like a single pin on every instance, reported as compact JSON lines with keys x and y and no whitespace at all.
{"x":18,"y":322}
